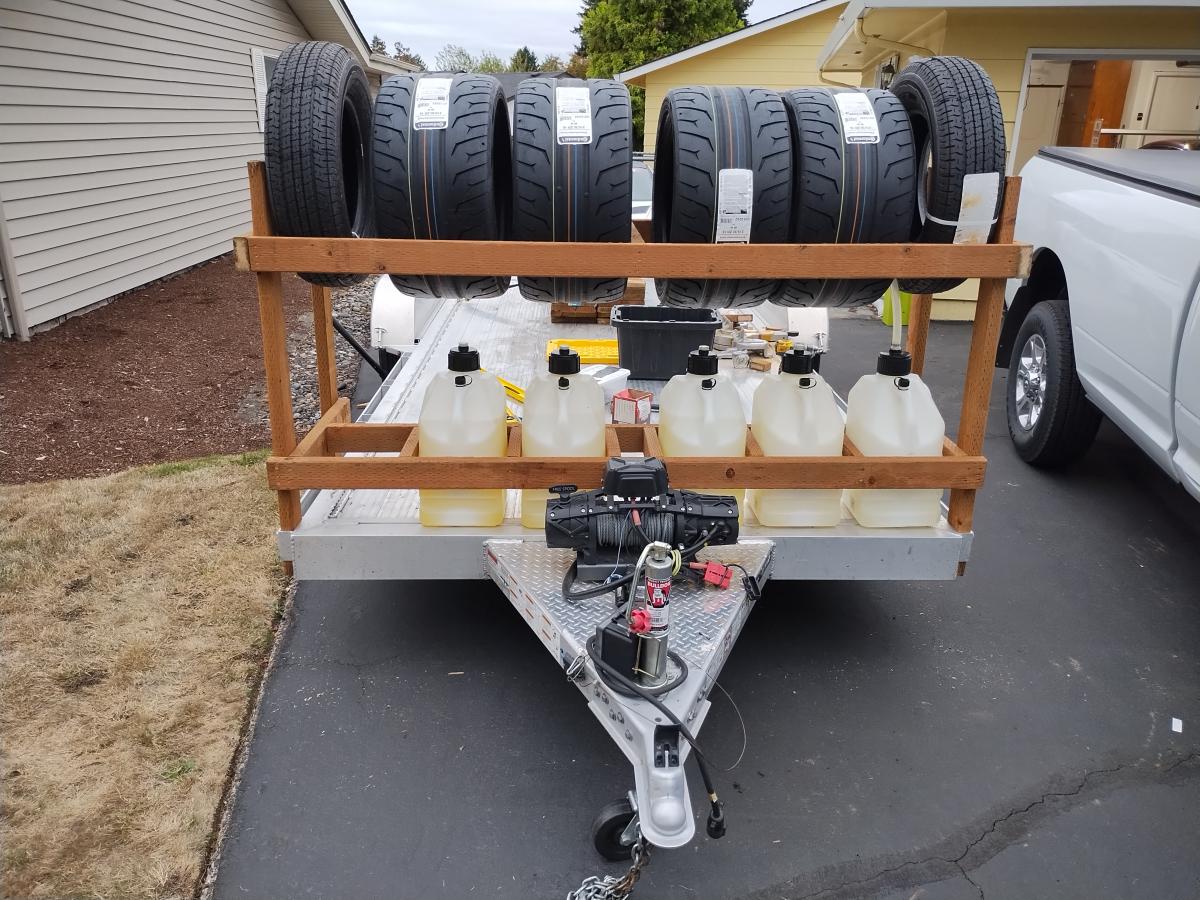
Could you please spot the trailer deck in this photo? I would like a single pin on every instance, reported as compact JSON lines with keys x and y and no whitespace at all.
{"x":376,"y":534}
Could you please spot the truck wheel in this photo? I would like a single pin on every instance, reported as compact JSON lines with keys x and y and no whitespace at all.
{"x":572,"y":191}
{"x":1050,"y":420}
{"x":702,"y":132}
{"x":445,"y":177}
{"x":959,"y":131}
{"x":317,"y":148}
{"x":847,"y":192}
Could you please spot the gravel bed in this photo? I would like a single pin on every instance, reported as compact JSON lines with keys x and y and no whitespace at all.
{"x":352,"y":307}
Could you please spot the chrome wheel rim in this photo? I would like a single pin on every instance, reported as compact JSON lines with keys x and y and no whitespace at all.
{"x":1029,"y":389}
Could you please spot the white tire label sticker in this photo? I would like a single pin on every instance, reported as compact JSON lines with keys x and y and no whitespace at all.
{"x":573,"y":114}
{"x":977,"y":208}
{"x":431,"y":106}
{"x":735,"y":206}
{"x":858,"y":118}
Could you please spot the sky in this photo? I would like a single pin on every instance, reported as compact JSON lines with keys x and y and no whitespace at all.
{"x":499,"y":25}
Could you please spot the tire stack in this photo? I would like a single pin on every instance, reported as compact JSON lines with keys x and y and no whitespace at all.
{"x":434,"y":158}
{"x":723,"y":174}
{"x":572,"y":175}
{"x":850,"y":165}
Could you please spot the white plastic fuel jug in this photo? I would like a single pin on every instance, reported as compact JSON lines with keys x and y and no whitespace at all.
{"x":795,"y":414}
{"x":463,"y":414}
{"x":891,"y":413}
{"x":700,"y":414}
{"x":564,"y":416}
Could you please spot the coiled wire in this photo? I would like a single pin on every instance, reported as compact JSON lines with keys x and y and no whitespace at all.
{"x":616,"y":530}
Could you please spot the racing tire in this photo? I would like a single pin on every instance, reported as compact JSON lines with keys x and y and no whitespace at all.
{"x":959,"y":131}
{"x":1050,"y":420}
{"x":568,"y":186}
{"x":451,"y":181}
{"x":703,"y":131}
{"x":846,"y":191}
{"x":317,"y":148}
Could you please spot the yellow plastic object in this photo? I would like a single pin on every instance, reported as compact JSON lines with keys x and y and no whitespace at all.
{"x":783,"y":346}
{"x":591,"y":352}
{"x":514,"y":391}
{"x":905,"y":302}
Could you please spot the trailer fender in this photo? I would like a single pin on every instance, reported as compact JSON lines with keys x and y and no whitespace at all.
{"x":393,"y":318}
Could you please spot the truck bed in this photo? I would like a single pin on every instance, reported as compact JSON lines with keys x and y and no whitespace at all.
{"x":376,"y":534}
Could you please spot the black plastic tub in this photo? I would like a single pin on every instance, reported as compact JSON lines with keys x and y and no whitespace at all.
{"x":653,"y":342}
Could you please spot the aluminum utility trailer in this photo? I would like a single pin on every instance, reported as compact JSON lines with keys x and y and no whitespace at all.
{"x":347,"y":491}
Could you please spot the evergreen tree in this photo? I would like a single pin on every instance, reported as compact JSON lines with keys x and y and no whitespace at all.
{"x":524,"y":60}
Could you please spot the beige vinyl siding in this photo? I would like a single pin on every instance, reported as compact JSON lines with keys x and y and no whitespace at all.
{"x":125,"y":127}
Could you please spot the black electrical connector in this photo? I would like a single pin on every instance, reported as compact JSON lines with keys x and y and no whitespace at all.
{"x":716,"y":821}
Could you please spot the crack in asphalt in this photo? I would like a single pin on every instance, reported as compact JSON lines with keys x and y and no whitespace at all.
{"x":942,"y":865}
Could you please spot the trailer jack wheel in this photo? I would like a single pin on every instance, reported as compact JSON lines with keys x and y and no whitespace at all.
{"x":611,"y":832}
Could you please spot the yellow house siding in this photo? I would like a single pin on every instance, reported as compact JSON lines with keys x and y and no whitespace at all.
{"x":999,"y":39}
{"x":784,"y":57}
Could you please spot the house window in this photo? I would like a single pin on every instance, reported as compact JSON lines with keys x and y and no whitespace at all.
{"x":264,"y":65}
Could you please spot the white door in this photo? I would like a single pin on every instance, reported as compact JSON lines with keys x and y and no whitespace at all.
{"x":1175,"y":105}
{"x":1039,"y":121}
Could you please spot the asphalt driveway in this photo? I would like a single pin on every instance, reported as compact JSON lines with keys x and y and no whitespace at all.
{"x":1011,"y":734}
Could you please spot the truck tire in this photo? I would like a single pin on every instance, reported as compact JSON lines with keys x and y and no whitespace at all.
{"x":702,"y":131}
{"x":444,"y":183}
{"x":572,"y":191}
{"x":845,"y":192}
{"x":1050,"y":420}
{"x":959,"y":131}
{"x":317,"y":148}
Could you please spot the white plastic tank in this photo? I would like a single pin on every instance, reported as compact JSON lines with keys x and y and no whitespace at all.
{"x":700,"y":414}
{"x":564,"y":416}
{"x":463,"y":414}
{"x":795,"y":414}
{"x":891,"y":413}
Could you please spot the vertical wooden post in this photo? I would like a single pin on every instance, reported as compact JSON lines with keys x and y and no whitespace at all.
{"x":918,"y":329}
{"x":275,"y":354}
{"x":981,"y":361}
{"x":327,"y":381}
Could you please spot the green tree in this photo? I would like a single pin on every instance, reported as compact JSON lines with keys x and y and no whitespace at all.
{"x":623,"y":34}
{"x":581,"y":48}
{"x":377,"y":45}
{"x":551,"y":62}
{"x":524,"y":60}
{"x":490,"y":62}
{"x":404,"y":54}
{"x":577,"y":66}
{"x":453,"y":58}
{"x":743,"y":8}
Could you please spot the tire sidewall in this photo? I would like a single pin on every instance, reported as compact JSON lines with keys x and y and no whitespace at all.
{"x":1030,"y":443}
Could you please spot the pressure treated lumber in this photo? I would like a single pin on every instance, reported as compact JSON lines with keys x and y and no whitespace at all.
{"x":918,"y":329}
{"x":371,"y":256}
{"x":977,"y":382}
{"x":385,"y":472}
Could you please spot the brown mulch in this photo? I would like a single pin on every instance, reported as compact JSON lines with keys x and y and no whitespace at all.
{"x":169,"y":371}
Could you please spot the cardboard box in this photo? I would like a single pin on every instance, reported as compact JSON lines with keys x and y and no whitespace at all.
{"x":631,"y":407}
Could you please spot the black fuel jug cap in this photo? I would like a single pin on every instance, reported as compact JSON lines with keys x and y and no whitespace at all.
{"x":463,"y":359}
{"x":796,"y":362}
{"x":894,"y":362}
{"x":702,"y":362}
{"x":564,"y":361}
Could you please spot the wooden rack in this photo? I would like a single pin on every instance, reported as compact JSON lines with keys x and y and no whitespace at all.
{"x":318,"y":461}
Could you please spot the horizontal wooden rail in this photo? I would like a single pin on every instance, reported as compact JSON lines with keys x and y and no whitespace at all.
{"x":377,"y":255}
{"x":456,"y":472}
{"x":315,"y":464}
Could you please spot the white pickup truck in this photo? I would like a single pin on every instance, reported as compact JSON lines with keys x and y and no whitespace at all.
{"x":1108,"y":321}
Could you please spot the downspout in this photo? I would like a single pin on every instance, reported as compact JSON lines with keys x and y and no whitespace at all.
{"x":869,"y":40}
{"x":12,"y":286}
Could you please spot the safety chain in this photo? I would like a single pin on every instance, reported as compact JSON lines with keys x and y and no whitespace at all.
{"x":610,"y":887}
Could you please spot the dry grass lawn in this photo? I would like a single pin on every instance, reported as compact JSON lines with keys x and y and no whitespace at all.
{"x":136,"y":610}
